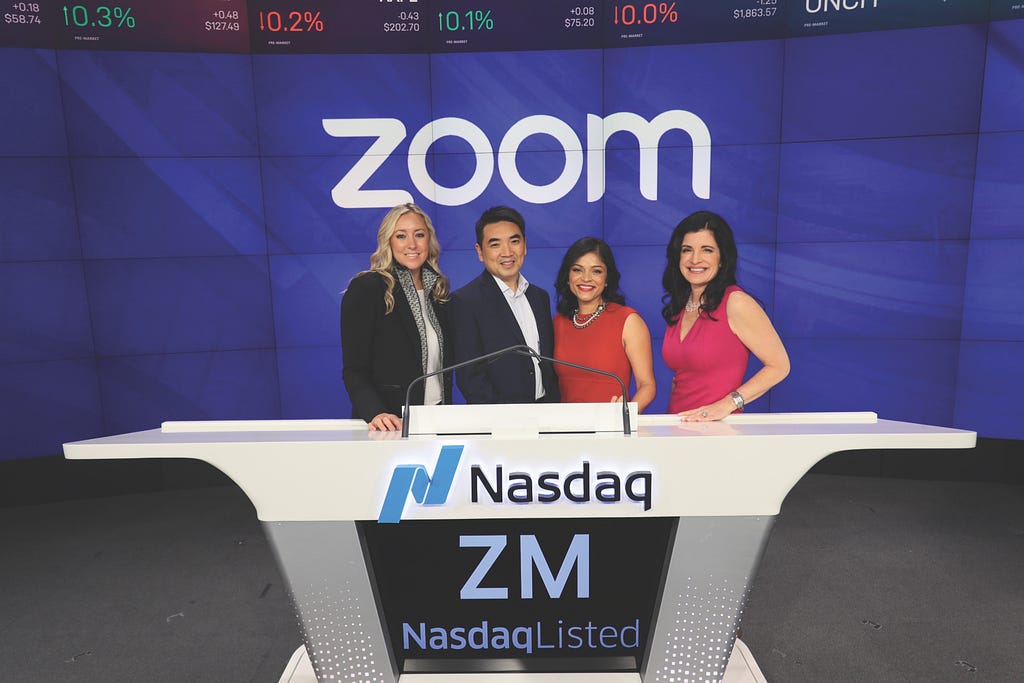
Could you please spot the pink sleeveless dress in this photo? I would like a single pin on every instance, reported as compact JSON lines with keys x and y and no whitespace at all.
{"x":708,"y":363}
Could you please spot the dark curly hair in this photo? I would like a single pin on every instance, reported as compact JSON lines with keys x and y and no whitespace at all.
{"x":567,"y":302}
{"x":677,"y":289}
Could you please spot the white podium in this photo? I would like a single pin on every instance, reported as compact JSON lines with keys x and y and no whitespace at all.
{"x":323,"y":487}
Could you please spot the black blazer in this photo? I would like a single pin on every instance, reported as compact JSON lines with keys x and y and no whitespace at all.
{"x":381,"y":353}
{"x":482,"y":321}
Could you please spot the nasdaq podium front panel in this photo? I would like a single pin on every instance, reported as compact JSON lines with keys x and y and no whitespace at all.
{"x":520,"y":551}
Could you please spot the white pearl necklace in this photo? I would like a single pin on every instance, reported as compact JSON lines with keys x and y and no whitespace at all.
{"x":588,"y":320}
{"x":691,"y":305}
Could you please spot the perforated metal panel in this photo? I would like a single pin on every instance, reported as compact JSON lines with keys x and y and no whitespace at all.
{"x":712,"y":563}
{"x":331,"y":590}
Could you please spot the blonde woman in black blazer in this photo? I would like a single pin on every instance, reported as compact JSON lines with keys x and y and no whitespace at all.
{"x":394,"y":322}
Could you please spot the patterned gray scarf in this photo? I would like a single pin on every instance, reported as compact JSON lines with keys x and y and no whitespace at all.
{"x":429,"y":278}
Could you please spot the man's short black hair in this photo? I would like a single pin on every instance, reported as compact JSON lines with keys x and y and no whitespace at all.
{"x":497,"y":214}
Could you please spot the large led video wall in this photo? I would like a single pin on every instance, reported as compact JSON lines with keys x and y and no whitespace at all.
{"x":187,"y":188}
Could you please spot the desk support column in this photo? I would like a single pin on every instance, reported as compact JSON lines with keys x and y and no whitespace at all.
{"x":711,"y":565}
{"x":330,"y":586}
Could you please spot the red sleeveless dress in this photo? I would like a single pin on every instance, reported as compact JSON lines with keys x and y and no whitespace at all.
{"x":597,"y":346}
{"x":708,"y":363}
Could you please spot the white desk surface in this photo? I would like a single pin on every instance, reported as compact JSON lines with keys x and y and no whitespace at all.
{"x":315,"y":470}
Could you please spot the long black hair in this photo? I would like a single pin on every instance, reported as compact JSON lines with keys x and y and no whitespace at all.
{"x":567,"y":302}
{"x":677,"y":289}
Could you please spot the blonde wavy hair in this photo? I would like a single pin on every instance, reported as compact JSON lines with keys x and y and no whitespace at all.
{"x":383,"y":260}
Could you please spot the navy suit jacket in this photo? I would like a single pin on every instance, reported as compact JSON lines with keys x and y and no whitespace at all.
{"x":482,"y":321}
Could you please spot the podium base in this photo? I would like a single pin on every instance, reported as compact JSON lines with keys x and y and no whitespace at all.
{"x":741,"y":669}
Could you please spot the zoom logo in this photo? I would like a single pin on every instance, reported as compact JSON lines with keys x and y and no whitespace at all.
{"x":426,"y":489}
{"x":389,"y":133}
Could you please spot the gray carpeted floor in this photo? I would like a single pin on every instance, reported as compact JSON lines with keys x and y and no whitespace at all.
{"x":864,"y":579}
{"x":869,"y":579}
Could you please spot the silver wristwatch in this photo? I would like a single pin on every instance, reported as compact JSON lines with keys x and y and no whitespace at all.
{"x":737,"y":400}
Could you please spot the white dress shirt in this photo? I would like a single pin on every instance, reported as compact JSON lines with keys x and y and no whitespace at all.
{"x":523,"y":313}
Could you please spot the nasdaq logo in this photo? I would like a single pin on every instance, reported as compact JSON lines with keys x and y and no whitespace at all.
{"x":577,"y":487}
{"x":389,"y":133}
{"x":425,"y":489}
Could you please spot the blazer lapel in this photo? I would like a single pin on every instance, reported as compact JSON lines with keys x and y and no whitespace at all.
{"x":404,"y":313}
{"x":500,"y":311}
{"x":541,"y":307}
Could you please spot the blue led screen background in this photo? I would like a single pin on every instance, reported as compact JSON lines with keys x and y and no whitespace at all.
{"x":170,"y":247}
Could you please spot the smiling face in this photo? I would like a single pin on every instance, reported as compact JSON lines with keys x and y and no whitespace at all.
{"x":587,"y":280}
{"x":502,"y":251}
{"x":410,"y":242}
{"x":699,"y":258}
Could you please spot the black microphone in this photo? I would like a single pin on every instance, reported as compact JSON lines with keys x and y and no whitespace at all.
{"x":520,"y":349}
{"x":528,"y":351}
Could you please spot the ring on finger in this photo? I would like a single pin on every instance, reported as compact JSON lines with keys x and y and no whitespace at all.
{"x":703,"y":413}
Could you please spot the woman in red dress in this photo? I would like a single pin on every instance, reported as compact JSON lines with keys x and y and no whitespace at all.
{"x":595,"y":328}
{"x":713,"y":325}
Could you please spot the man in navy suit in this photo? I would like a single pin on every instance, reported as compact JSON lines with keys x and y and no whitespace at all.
{"x":499,"y":309}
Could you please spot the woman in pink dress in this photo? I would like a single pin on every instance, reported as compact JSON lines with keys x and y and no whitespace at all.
{"x":595,"y":328}
{"x":713,"y":325}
